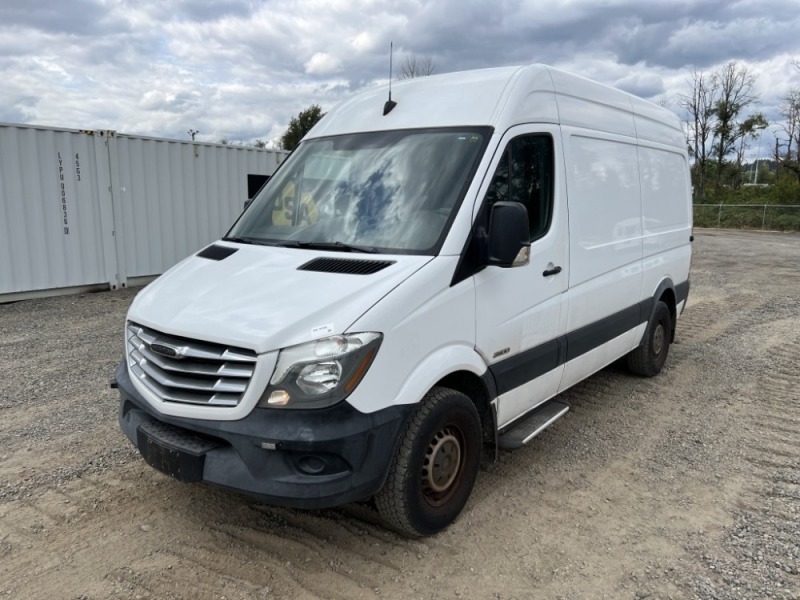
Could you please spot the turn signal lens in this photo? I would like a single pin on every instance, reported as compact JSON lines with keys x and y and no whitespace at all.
{"x":279,"y":398}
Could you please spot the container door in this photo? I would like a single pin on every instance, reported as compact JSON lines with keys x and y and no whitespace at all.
{"x":55,"y":224}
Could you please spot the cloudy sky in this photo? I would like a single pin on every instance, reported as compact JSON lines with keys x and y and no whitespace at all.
{"x":241,"y":69}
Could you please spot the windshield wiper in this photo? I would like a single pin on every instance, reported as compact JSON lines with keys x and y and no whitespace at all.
{"x":246,"y":240}
{"x":352,"y":248}
{"x":335,"y":246}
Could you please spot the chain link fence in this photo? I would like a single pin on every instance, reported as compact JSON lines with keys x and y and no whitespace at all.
{"x":773,"y":217}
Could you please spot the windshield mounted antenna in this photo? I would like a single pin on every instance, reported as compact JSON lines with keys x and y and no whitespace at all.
{"x":390,"y":104}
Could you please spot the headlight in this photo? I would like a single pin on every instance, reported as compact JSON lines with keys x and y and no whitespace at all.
{"x":320,"y":373}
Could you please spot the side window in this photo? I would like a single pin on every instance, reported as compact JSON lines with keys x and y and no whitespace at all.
{"x":525,"y":175}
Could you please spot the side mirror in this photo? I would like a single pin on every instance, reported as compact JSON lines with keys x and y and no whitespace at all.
{"x":509,"y":235}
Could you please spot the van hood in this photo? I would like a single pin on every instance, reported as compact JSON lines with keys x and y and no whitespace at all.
{"x":257,"y":298}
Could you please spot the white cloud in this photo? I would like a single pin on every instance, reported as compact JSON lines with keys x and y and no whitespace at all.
{"x":154,"y":99}
{"x":242,"y":69}
{"x":363,"y":42}
{"x":322,"y":63}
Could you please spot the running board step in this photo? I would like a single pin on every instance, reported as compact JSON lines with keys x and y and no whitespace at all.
{"x":532,"y":425}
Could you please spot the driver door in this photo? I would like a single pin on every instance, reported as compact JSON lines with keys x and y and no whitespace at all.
{"x":520,"y":315}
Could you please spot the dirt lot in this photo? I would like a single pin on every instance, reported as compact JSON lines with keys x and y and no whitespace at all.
{"x":682,"y":486}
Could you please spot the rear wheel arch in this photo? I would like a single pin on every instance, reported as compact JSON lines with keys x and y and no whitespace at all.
{"x":665,"y":292}
{"x":668,"y":298}
{"x":648,"y":358}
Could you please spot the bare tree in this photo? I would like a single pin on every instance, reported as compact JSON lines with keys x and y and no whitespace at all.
{"x":416,"y":66}
{"x":735,"y":94}
{"x":699,"y":104}
{"x":790,"y":111}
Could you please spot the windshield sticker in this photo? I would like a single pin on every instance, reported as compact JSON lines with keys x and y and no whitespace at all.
{"x":321,"y":330}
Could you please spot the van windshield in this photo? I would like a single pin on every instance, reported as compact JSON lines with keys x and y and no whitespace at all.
{"x":389,"y":191}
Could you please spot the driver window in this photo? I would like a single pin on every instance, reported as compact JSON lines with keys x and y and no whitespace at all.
{"x":525,"y":175}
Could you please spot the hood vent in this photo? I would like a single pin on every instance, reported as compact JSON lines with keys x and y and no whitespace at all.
{"x":346,"y":266}
{"x":215,"y":252}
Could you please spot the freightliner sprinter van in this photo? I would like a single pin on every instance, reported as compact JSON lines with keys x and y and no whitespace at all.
{"x":415,"y":285}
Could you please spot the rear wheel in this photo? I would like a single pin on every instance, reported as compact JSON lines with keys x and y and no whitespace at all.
{"x":649,"y":358}
{"x":436,"y":465}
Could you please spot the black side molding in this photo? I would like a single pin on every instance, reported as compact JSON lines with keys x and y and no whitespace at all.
{"x":682,"y":292}
{"x":521,"y":368}
{"x":529,"y":364}
{"x":589,"y":337}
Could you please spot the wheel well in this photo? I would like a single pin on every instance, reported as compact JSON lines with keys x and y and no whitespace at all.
{"x":473,"y":387}
{"x":668,"y":298}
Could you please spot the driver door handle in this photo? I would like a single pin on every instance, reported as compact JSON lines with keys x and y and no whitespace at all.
{"x":553,"y":271}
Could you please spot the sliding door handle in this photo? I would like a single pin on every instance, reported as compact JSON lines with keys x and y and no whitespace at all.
{"x":553,"y":271}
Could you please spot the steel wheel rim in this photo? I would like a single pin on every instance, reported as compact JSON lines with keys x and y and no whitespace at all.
{"x":658,"y":339}
{"x":442,"y":465}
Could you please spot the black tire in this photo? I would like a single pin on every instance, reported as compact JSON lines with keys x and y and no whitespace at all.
{"x":648,"y":359}
{"x":418,"y":499}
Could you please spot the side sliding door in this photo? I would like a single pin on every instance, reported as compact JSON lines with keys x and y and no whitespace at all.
{"x":606,"y":317}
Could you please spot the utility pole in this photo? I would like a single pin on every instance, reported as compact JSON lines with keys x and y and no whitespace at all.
{"x":193,"y":132}
{"x":758,"y":155}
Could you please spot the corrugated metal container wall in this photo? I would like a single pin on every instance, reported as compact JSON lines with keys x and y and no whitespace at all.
{"x":177,"y":197}
{"x":51,"y":231}
{"x":84,"y":208}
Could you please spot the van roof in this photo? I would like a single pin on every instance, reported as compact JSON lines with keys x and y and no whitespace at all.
{"x":501,"y":98}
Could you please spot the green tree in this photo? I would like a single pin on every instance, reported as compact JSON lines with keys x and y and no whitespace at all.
{"x":748,"y":130}
{"x":736,"y":93}
{"x":300,"y":125}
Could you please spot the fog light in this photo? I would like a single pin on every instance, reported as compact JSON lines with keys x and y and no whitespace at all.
{"x":312,"y":465}
{"x":279,"y":398}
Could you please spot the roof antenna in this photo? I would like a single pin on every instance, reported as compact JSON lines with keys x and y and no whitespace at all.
{"x":390,"y":104}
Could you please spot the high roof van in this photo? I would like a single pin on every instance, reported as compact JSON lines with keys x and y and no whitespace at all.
{"x":414,"y":287}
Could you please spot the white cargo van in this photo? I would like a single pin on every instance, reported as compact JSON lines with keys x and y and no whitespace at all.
{"x":416,"y":283}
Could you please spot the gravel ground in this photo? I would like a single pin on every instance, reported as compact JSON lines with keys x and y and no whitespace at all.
{"x":682,"y":486}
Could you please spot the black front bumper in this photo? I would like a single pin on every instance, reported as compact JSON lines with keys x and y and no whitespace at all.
{"x":298,"y":458}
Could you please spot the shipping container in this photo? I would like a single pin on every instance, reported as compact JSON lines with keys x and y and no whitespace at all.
{"x":86,"y":209}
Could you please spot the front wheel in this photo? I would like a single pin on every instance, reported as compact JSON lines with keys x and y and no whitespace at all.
{"x":436,"y":465}
{"x":649,"y":358}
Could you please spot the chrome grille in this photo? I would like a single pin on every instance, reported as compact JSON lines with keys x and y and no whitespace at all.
{"x":187,"y":371}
